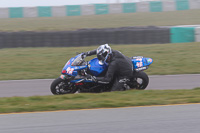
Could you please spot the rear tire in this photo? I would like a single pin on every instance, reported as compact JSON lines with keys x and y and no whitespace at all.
{"x":140,"y":80}
{"x":60,"y":87}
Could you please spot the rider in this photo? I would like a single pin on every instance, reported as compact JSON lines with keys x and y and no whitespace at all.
{"x":119,"y":66}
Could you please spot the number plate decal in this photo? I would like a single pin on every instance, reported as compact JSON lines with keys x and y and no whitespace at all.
{"x":70,"y":70}
{"x":139,"y":64}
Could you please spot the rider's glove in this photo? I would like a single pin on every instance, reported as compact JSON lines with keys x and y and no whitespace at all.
{"x":92,"y":78}
{"x":84,"y":55}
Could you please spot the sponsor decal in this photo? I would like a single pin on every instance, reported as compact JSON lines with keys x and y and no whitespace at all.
{"x":141,"y":68}
{"x":68,"y":62}
{"x":81,"y":66}
{"x":149,"y":60}
{"x":79,"y":83}
{"x":139,"y":59}
{"x":62,"y":76}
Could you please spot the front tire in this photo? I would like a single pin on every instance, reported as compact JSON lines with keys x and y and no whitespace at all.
{"x":139,"y":81}
{"x":60,"y":87}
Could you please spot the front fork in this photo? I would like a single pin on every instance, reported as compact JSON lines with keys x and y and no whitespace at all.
{"x":67,"y":79}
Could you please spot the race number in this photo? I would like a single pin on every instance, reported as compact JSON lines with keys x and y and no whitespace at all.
{"x":70,"y":70}
{"x":139,"y":64}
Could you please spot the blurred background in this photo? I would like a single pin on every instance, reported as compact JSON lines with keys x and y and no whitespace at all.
{"x":30,"y":3}
{"x":115,"y":22}
{"x":37,"y":37}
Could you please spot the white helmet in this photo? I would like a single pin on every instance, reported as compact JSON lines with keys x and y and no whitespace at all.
{"x":103,"y":52}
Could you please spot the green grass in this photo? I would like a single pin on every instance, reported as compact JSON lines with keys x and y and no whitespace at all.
{"x":100,"y":100}
{"x":186,"y":17}
{"x":42,"y":63}
{"x":34,"y":63}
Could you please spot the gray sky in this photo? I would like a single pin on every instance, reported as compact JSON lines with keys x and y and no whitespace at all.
{"x":29,"y":3}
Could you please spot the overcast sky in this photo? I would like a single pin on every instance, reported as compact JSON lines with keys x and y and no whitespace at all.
{"x":29,"y":3}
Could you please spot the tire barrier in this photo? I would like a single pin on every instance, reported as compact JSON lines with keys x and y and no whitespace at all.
{"x":86,"y":37}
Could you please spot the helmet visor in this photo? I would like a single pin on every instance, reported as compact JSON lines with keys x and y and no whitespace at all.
{"x":101,"y":57}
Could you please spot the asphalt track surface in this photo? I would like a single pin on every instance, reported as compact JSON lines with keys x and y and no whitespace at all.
{"x":42,"y":86}
{"x":154,"y":119}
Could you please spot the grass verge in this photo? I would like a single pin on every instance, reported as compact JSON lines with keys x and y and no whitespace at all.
{"x":102,"y":100}
{"x":186,"y":17}
{"x":43,"y":63}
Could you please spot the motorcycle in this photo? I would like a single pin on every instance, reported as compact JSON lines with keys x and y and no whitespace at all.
{"x":74,"y":76}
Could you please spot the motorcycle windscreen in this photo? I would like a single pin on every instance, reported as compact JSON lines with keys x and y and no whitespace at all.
{"x":96,"y":68}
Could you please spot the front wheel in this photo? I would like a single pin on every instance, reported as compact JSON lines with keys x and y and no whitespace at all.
{"x":139,"y":81}
{"x":60,"y":86}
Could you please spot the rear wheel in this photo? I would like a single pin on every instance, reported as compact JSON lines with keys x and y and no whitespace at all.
{"x":60,"y":86}
{"x":139,"y":81}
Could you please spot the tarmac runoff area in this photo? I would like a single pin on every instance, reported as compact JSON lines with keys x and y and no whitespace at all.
{"x":41,"y":87}
{"x":150,"y":119}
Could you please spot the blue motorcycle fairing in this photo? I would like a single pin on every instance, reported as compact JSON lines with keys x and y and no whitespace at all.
{"x":70,"y":67}
{"x":96,"y":68}
{"x":73,"y":66}
{"x":140,"y":61}
{"x":80,"y":80}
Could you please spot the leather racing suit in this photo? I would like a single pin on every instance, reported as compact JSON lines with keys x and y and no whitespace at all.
{"x":119,"y":67}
